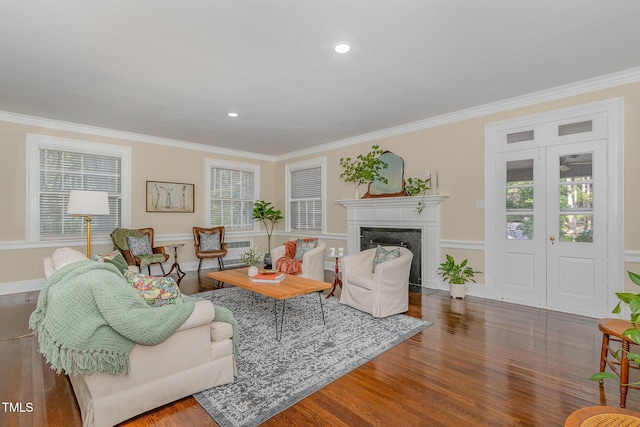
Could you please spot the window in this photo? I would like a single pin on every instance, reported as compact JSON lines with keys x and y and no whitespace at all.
{"x":57,"y":166}
{"x":232,"y":191}
{"x":305,"y":195}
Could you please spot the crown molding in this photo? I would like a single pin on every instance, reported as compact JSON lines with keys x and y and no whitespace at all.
{"x":129,"y":136}
{"x":620,"y":78}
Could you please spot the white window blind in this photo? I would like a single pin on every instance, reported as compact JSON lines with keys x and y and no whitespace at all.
{"x":232,"y":198}
{"x":305,"y":199}
{"x":60,"y":172}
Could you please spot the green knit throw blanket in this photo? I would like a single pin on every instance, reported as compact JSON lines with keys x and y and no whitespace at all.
{"x":88,"y":319}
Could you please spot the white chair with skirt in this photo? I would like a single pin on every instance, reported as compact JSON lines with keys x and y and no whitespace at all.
{"x":381,"y":289}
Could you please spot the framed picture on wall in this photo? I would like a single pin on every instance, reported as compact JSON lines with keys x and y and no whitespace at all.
{"x":169,"y":197}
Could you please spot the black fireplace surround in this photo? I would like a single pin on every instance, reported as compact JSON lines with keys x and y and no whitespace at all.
{"x":409,"y":238}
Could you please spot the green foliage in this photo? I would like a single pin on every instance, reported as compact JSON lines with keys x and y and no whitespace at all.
{"x":365,"y":168}
{"x":415,"y":187}
{"x":251,"y":257}
{"x":633,"y":300}
{"x":456,"y":274}
{"x":268,"y":215}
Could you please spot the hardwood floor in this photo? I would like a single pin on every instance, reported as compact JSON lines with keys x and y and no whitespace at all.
{"x":483,"y":363}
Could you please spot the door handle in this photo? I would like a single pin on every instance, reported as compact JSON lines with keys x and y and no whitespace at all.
{"x":553,"y":239}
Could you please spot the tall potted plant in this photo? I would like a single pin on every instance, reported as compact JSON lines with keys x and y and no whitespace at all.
{"x":269,"y":216}
{"x":457,"y":275}
{"x":363,"y":169}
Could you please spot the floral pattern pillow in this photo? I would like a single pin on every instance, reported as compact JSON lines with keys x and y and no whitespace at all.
{"x":139,"y":245}
{"x":303,"y":246}
{"x":383,"y":255}
{"x":210,"y":241}
{"x":156,"y":291}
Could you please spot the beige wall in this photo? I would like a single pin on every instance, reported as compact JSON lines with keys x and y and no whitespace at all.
{"x":149,"y":162}
{"x":455,"y":151}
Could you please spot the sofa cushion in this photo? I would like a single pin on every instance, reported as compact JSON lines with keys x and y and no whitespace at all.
{"x":303,"y":246}
{"x":139,"y":245}
{"x":210,"y":241}
{"x":156,"y":291}
{"x":362,"y":280}
{"x":65,"y":256}
{"x":383,"y":255}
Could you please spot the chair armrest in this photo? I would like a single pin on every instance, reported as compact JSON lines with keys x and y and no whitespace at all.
{"x":203,"y":314}
{"x":159,"y":250}
{"x":277,"y":253}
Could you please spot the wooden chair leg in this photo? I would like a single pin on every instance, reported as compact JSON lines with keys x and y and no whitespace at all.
{"x":199,"y":267}
{"x":162,"y":269}
{"x":604,"y":353}
{"x":220,"y":264}
{"x":624,"y":373}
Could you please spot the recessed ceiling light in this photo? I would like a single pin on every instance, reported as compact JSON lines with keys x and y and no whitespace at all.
{"x":232,"y":114}
{"x":342,"y":48}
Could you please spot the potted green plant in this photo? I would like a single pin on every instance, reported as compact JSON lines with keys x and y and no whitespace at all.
{"x":416,"y":187}
{"x":252,"y":258}
{"x":269,"y":216}
{"x":633,"y":300}
{"x":363,"y":169}
{"x":457,"y":275}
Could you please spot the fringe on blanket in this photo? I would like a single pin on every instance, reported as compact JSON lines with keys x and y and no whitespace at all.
{"x":73,"y":362}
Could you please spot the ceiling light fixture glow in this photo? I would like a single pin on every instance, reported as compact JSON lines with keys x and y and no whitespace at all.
{"x":342,"y":48}
{"x":232,"y":114}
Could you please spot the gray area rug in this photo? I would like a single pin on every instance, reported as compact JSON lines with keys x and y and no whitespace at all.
{"x":274,"y":375}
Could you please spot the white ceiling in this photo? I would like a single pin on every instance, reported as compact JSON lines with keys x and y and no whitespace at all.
{"x":174,"y":69}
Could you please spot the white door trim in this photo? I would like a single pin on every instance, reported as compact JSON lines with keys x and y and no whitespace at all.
{"x":610,"y":115}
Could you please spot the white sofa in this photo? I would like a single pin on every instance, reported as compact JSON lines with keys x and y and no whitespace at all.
{"x":380,"y":293}
{"x":312,"y":260}
{"x":198,"y":356}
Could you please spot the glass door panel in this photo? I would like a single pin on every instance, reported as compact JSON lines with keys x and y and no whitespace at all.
{"x":519,"y":200}
{"x":576,"y":198}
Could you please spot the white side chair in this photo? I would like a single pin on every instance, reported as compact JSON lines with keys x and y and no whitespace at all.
{"x":380,"y":293}
{"x":312,"y":260}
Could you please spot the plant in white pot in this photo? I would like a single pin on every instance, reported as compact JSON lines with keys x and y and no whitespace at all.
{"x":252,"y":258}
{"x":457,"y":275}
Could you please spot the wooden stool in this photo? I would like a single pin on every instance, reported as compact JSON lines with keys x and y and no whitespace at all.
{"x":603,"y":416}
{"x":612,"y":330}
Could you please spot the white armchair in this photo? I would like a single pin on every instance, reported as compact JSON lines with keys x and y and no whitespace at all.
{"x":312,"y":260}
{"x":382,"y":293}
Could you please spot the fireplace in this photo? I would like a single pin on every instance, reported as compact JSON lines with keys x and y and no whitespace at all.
{"x":395,"y":213}
{"x":408,"y":238}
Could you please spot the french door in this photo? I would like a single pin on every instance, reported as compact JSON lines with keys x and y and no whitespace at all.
{"x":551,"y":226}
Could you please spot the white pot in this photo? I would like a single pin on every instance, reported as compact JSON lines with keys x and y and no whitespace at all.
{"x":458,"y":291}
{"x":253,"y":270}
{"x":356,"y":193}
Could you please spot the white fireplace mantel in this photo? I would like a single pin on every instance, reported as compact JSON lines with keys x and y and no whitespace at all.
{"x":399,"y":212}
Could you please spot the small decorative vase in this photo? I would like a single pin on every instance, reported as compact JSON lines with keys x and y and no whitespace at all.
{"x":267,"y":261}
{"x":253,"y":270}
{"x":356,"y":193}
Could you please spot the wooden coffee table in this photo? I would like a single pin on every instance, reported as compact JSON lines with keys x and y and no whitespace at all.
{"x":291,"y":286}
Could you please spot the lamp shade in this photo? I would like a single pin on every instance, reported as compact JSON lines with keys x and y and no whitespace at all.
{"x":88,"y":202}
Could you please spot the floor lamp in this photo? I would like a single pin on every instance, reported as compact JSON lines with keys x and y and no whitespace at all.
{"x":85,"y":204}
